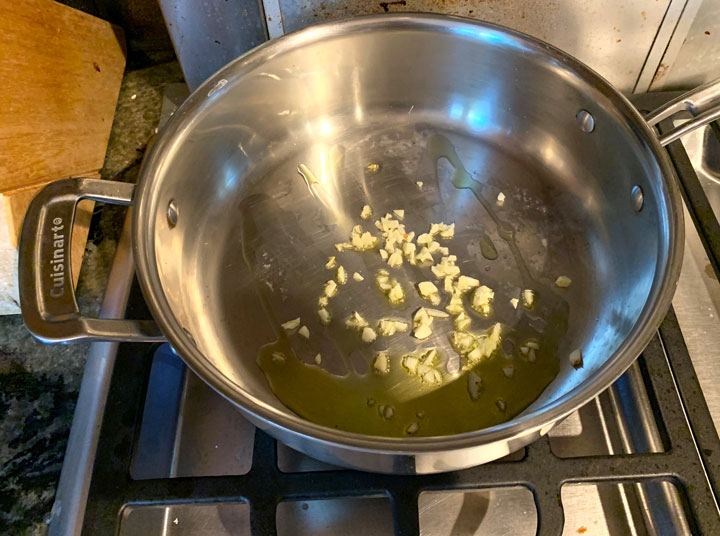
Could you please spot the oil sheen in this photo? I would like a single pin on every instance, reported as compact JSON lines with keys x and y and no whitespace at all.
{"x":399,"y":405}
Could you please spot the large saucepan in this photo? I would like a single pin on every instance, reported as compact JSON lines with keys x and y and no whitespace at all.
{"x":229,"y":240}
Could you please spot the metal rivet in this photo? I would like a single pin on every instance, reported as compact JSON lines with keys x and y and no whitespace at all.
{"x":172,"y":213}
{"x":637,"y":197}
{"x":585,"y":120}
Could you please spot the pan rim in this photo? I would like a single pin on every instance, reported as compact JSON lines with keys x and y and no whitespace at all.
{"x":543,"y":418}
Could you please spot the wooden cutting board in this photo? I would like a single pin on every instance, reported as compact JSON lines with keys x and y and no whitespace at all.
{"x":60,"y":74}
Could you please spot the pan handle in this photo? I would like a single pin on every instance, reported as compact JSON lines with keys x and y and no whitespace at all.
{"x":702,"y":102}
{"x":47,"y":295}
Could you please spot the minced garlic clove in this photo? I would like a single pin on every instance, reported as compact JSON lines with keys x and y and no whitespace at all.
{"x":341,"y":276}
{"x":576,"y":358}
{"x":358,"y":277}
{"x":366,"y":212}
{"x":304,"y":331}
{"x":368,"y":335}
{"x":325,"y":317}
{"x":331,"y":263}
{"x":563,"y":281}
{"x":330,"y":288}
{"x":381,"y":365}
{"x":528,"y":298}
{"x":291,"y":325}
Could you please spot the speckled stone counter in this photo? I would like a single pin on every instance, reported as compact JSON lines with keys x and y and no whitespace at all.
{"x":39,"y":383}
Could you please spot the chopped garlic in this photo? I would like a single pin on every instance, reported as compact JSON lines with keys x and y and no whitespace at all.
{"x":364,"y":241}
{"x":330,"y":289}
{"x":410,"y":363}
{"x":563,"y":281}
{"x":531,"y":356}
{"x":514,"y":302}
{"x":323,"y":301}
{"x":291,"y":324}
{"x":386,"y":412}
{"x":395,"y":259}
{"x":368,"y":335}
{"x":424,"y":256}
{"x":524,"y":350}
{"x":487,"y":343}
{"x":533,"y":344}
{"x":462,"y":322}
{"x":342,"y":276}
{"x":445,"y":231}
{"x":446,"y":267}
{"x":412,"y":427}
{"x":448,"y":284}
{"x":366,"y":212}
{"x":372,"y":168}
{"x":455,"y":307}
{"x":358,"y":277}
{"x":408,"y":250}
{"x":342,"y":246}
{"x":424,"y":239}
{"x":429,"y":291}
{"x":330,"y":264}
{"x":576,"y":358}
{"x":462,"y":342}
{"x":500,"y":199}
{"x":382,"y":363}
{"x":388,"y":327}
{"x":304,"y":331}
{"x":500,"y":403}
{"x":324,"y":315}
{"x":422,"y":332}
{"x":508,"y":372}
{"x":318,"y":359}
{"x":481,"y":300}
{"x":396,"y":294}
{"x":384,"y":254}
{"x":278,"y":356}
{"x":528,"y":298}
{"x":399,"y":213}
{"x":466,"y":283}
{"x":419,"y":184}
{"x":356,"y":321}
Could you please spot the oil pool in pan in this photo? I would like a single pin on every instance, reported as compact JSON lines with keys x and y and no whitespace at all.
{"x":397,"y":404}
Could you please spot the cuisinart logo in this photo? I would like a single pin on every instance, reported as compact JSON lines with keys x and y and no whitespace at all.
{"x":58,"y":259}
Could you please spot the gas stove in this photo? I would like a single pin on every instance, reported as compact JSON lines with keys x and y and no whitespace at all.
{"x":153,"y":450}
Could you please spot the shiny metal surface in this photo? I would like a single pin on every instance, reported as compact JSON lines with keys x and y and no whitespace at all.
{"x":327,"y":86}
{"x":47,"y":297}
{"x":697,"y":300}
{"x":703,"y":103}
{"x":366,"y":516}
{"x":207,"y":35}
{"x":186,"y":520}
{"x":500,"y":511}
{"x":66,"y":517}
{"x":229,"y":156}
{"x":613,"y":37}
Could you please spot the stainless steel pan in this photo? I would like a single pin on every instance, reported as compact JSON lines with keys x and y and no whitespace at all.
{"x":223,"y":221}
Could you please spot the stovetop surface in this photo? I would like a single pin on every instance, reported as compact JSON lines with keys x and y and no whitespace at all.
{"x":175,"y":458}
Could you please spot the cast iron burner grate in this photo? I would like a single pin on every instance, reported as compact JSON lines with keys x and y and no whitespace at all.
{"x":690,"y":460}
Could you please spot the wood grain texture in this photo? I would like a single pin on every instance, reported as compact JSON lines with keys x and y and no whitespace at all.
{"x":60,"y":74}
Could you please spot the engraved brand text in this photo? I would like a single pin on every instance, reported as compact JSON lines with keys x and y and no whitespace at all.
{"x":57,"y":262}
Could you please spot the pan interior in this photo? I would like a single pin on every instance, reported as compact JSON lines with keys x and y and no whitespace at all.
{"x":251,"y":240}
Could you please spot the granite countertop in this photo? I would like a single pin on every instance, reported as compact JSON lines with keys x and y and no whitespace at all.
{"x":39,"y":383}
